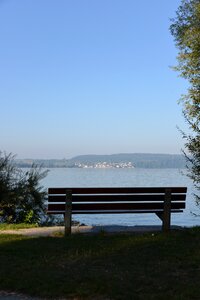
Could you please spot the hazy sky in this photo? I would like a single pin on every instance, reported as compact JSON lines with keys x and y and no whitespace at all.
{"x":88,"y":76}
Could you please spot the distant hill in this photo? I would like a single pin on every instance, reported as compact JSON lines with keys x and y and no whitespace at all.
{"x":138,"y":160}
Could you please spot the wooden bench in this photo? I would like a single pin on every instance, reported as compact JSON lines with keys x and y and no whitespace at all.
{"x":159,"y":200}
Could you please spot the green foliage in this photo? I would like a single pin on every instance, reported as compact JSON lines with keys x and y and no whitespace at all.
{"x":186,"y":31}
{"x":21,"y":196}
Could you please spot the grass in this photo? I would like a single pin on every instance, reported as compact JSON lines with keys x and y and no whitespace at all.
{"x":5,"y":226}
{"x":123,"y":266}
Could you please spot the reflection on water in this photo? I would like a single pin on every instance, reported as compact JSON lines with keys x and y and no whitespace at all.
{"x":66,"y":177}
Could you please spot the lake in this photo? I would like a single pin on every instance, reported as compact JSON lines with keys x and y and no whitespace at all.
{"x":72,"y":177}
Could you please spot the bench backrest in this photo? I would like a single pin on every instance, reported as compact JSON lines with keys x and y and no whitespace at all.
{"x":116,"y":200}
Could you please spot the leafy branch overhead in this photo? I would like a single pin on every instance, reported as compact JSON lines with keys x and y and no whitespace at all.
{"x":185,"y":29}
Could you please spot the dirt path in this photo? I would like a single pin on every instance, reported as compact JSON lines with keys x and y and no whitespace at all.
{"x":51,"y":231}
{"x":46,"y":231}
{"x":14,"y":296}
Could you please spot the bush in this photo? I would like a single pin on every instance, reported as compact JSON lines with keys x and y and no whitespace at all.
{"x":22,"y":199}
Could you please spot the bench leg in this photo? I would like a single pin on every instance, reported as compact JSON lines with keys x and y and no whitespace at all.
{"x":165,"y":216}
{"x":167,"y":211}
{"x":68,"y":213}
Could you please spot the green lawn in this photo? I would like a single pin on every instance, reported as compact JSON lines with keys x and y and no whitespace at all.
{"x":124,"y":266}
{"x":5,"y":226}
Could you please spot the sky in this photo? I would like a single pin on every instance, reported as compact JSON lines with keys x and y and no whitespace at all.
{"x":88,"y":77}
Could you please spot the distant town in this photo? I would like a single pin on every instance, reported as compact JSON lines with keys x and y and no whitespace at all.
{"x":105,"y":165}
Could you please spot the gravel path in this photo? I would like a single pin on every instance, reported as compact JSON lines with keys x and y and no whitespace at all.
{"x":51,"y":231}
{"x":15,"y":296}
{"x":46,"y":231}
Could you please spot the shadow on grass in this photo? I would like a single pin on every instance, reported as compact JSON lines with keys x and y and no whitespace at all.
{"x":124,"y":266}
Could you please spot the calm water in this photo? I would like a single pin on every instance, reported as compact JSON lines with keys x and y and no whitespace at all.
{"x":63,"y":177}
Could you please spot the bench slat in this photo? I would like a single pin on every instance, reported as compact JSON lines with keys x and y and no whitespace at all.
{"x":115,"y":206}
{"x":115,"y":198}
{"x":116,"y":212}
{"x":117,"y":190}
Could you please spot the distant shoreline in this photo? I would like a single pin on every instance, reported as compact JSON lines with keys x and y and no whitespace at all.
{"x":113,"y":161}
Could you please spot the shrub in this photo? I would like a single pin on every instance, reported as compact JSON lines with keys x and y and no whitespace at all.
{"x":22,"y":198}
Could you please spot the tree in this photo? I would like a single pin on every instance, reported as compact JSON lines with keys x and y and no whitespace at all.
{"x":185,"y":29}
{"x":21,"y":196}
